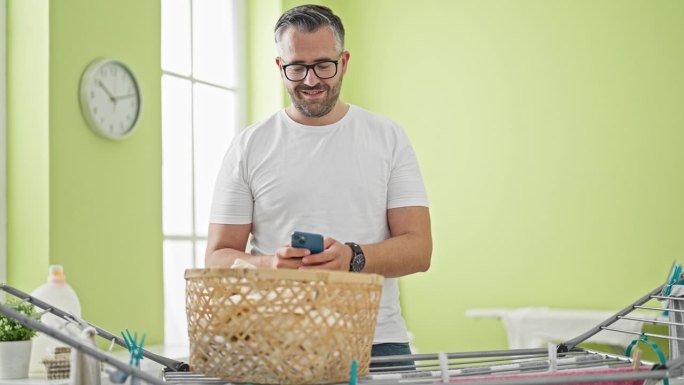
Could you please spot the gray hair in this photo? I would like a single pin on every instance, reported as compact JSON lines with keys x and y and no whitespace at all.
{"x":310,"y":18}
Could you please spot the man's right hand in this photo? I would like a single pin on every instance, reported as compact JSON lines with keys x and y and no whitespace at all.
{"x":288,"y":257}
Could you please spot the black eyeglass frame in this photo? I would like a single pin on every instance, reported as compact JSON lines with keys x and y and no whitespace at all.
{"x":311,"y":67}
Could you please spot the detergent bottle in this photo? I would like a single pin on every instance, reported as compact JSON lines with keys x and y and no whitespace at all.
{"x":55,"y":292}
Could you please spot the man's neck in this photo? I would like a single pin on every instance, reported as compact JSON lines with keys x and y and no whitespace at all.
{"x":335,"y":115}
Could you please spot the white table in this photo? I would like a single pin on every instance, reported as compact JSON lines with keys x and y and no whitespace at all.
{"x":534,"y":327}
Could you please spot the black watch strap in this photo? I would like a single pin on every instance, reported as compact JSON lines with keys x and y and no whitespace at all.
{"x":358,"y":260}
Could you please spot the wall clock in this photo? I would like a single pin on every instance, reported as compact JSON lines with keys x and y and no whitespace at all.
{"x":110,"y":97}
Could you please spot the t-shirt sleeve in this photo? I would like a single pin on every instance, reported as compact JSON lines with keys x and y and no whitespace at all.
{"x":233,"y":202}
{"x":406,"y":186}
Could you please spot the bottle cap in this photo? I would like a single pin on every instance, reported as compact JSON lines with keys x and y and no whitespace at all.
{"x":56,"y":273}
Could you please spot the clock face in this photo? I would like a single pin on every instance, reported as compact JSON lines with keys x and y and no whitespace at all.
{"x":110,"y":99}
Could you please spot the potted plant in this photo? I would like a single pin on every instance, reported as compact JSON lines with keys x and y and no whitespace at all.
{"x":15,"y":342}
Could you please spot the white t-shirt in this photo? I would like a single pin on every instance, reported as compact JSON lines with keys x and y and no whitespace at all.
{"x":336,"y":180}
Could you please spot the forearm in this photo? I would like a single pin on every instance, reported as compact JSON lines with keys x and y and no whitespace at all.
{"x":407,"y":251}
{"x":398,"y":256}
{"x":226,"y":243}
{"x":227,"y":256}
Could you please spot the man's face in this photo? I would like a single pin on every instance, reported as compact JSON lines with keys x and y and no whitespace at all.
{"x":312,"y":96}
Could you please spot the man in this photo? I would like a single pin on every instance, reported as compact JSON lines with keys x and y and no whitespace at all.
{"x":324,"y":166}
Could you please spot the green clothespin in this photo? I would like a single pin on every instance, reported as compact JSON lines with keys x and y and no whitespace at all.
{"x":135,"y":350}
{"x":352,"y":374}
{"x":652,"y":345}
{"x":674,"y":279}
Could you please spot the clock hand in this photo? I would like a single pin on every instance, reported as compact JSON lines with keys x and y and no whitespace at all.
{"x":124,"y":96}
{"x":111,"y":97}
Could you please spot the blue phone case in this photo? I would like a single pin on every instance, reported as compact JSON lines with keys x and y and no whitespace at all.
{"x":311,"y":241}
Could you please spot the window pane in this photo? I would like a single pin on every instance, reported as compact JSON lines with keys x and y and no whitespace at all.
{"x":214,"y":42}
{"x":200,"y":249}
{"x":177,"y":257}
{"x":214,"y":116}
{"x":176,"y":156}
{"x":175,"y":36}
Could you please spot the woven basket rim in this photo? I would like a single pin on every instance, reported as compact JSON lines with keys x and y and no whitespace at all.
{"x":300,"y":275}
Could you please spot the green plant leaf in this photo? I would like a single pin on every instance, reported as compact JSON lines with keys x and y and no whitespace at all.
{"x":12,"y":330}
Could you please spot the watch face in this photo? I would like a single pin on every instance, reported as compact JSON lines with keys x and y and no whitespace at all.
{"x":358,"y":262}
{"x":110,"y":99}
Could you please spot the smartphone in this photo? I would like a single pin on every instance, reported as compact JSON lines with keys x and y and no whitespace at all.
{"x":311,"y":241}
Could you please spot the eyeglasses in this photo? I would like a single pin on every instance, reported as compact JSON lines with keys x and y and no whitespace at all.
{"x":325,"y":69}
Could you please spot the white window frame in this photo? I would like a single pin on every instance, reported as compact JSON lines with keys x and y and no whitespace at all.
{"x":240,"y":92}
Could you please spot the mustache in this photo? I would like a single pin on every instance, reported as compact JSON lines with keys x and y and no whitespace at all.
{"x":319,"y":87}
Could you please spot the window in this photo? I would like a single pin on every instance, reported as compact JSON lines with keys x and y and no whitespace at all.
{"x":202,"y":109}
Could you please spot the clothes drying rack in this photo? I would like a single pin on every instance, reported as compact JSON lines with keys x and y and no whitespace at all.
{"x":566,"y":363}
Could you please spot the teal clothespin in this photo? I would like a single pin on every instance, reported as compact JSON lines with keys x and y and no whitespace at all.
{"x":134,"y":349}
{"x":352,"y":374}
{"x":642,"y":338}
{"x":675,"y":278}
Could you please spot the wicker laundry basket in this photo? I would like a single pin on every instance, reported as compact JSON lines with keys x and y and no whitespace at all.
{"x":280,"y":326}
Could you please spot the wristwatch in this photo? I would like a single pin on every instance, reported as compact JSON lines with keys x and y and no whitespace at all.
{"x":358,"y":260}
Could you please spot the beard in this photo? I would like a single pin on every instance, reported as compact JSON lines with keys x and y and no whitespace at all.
{"x":315,"y":109}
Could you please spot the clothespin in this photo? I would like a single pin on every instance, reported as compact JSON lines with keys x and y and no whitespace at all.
{"x":444,"y":367}
{"x":353,"y":372}
{"x":553,"y":357}
{"x":642,"y":338}
{"x":636,"y":358}
{"x":135,"y":350}
{"x":117,"y":376}
{"x":675,"y":278}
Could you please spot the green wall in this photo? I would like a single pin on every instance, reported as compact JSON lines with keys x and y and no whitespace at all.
{"x":263,"y":80}
{"x":90,"y":204}
{"x":28,"y":149}
{"x":550,"y":137}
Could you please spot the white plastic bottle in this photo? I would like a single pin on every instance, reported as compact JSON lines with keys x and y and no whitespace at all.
{"x":56,"y":292}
